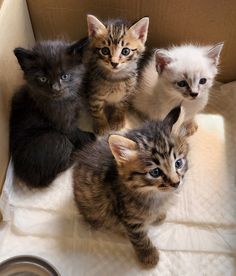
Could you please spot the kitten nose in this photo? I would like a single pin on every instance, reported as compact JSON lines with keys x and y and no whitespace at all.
{"x":56,"y":87}
{"x":194,"y":94}
{"x":114,"y":64}
{"x":175,"y":184}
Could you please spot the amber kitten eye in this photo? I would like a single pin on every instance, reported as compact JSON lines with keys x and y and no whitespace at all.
{"x":42,"y":79}
{"x":182,"y":83}
{"x":203,"y":81}
{"x":125,"y":51}
{"x":105,"y":51}
{"x":155,"y":172}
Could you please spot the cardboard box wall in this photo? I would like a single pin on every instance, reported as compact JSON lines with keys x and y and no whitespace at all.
{"x":171,"y":22}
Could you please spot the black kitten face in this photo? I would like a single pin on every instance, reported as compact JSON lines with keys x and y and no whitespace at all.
{"x":53,"y":69}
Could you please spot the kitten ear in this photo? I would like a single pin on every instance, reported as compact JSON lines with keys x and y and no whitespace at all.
{"x":95,"y":27}
{"x":77,"y":47}
{"x":162,"y":59}
{"x":26,"y":58}
{"x":140,"y":28}
{"x":214,"y":52}
{"x":122,"y":148}
{"x":171,"y":118}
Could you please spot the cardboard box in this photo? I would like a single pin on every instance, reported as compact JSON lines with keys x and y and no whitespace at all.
{"x":21,"y":22}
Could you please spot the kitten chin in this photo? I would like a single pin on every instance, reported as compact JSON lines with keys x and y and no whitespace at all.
{"x":185,"y":74}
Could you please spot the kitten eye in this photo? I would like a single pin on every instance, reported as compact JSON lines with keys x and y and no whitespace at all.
{"x":179,"y":163}
{"x":42,"y":79}
{"x":203,"y":81}
{"x":182,"y":83}
{"x":155,"y":172}
{"x":65,"y":77}
{"x":105,"y":51}
{"x":125,"y":51}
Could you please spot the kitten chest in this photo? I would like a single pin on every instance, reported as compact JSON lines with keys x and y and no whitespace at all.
{"x":118,"y":91}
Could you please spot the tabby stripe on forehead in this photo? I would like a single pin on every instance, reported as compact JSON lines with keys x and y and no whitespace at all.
{"x":135,"y":174}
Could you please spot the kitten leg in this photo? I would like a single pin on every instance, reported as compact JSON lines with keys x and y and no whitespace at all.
{"x":160,"y":219}
{"x":100,"y":122}
{"x":146,"y":252}
{"x":191,"y":127}
{"x":116,"y":116}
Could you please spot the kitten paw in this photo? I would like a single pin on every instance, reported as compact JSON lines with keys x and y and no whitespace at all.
{"x":191,"y":128}
{"x":117,"y":121}
{"x":148,"y":257}
{"x":160,"y":219}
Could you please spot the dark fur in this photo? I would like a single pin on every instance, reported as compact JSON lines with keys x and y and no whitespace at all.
{"x":43,"y":123}
{"x":111,"y":194}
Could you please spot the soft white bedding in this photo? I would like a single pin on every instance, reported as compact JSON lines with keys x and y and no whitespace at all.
{"x":198,"y":237}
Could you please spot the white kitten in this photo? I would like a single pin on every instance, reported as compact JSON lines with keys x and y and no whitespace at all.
{"x":179,"y":75}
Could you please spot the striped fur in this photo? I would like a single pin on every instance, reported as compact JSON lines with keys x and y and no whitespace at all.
{"x":112,"y":75}
{"x":113,"y":185}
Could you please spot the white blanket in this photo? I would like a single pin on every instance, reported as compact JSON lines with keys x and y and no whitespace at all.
{"x":198,"y":237}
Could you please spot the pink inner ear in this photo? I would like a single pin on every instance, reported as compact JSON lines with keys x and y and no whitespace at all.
{"x":91,"y":29}
{"x":161,"y":62}
{"x":142,"y":32}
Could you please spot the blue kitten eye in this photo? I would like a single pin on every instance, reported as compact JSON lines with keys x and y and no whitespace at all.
{"x":155,"y":172}
{"x":105,"y":51}
{"x":125,"y":51}
{"x":179,"y":163}
{"x":65,"y":77}
{"x":203,"y":81}
{"x":42,"y":79}
{"x":182,"y":83}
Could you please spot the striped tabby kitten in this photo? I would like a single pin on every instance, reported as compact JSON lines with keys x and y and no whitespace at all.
{"x":111,"y":56}
{"x":129,"y":180}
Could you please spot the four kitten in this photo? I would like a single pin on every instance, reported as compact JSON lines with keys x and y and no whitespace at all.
{"x":44,"y":112}
{"x":178,"y":75}
{"x":126,"y":180}
{"x":130,"y":179}
{"x":111,"y":58}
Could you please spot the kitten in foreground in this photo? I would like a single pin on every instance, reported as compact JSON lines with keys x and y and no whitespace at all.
{"x":44,"y":112}
{"x":129,"y":180}
{"x":179,"y":75}
{"x":111,"y":56}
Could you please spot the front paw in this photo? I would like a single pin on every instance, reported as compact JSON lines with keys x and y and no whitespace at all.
{"x":117,"y":121}
{"x":148,"y":257}
{"x":160,"y":219}
{"x":191,"y":127}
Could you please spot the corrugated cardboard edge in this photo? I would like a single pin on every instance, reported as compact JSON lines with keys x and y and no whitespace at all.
{"x":15,"y":31}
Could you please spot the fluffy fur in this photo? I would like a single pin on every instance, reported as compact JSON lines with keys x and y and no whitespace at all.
{"x":179,"y":75}
{"x":129,"y":180}
{"x":44,"y":113}
{"x":111,"y":59}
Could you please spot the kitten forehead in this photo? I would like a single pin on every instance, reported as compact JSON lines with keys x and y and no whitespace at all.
{"x":189,"y":60}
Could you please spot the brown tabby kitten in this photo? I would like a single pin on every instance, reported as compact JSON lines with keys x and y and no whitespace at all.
{"x":129,"y":180}
{"x":112,"y":55}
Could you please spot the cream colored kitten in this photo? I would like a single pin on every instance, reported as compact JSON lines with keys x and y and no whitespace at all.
{"x":179,"y":75}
